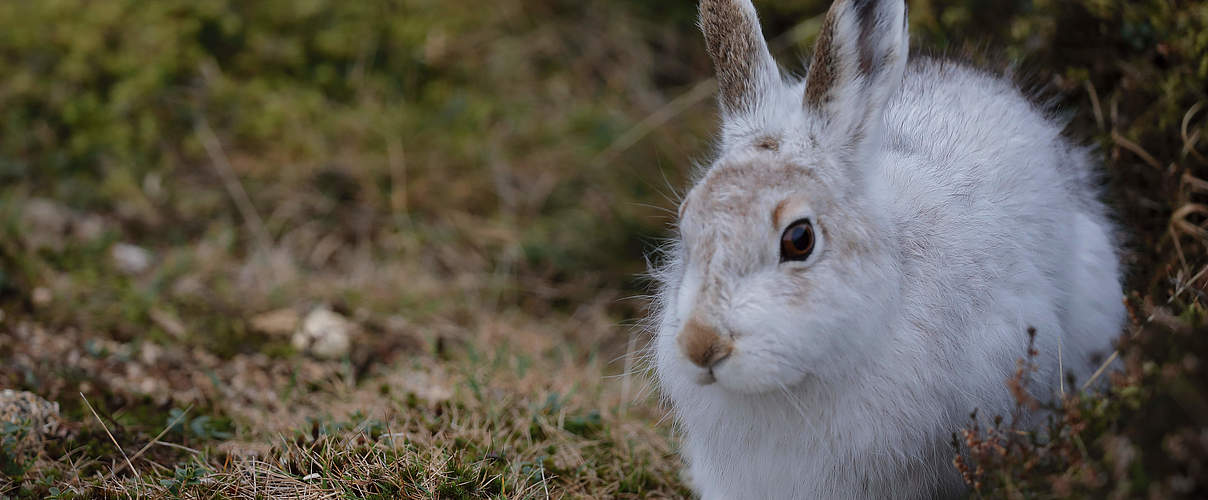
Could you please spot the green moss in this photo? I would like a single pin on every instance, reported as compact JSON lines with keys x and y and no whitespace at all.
{"x":463,"y":142}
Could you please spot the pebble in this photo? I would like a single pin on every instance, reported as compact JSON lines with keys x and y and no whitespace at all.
{"x":130,"y":259}
{"x":88,"y":228}
{"x":44,"y":223}
{"x":324,"y":334}
{"x":41,"y":296}
{"x":27,"y":408}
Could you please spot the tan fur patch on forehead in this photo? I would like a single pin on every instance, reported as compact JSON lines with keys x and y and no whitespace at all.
{"x":734,"y":188}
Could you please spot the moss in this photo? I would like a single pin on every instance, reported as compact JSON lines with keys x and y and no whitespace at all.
{"x":450,"y":163}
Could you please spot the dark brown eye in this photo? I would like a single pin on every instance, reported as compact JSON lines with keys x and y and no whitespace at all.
{"x":797,"y":243}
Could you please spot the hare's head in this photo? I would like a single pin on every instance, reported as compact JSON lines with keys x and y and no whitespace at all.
{"x":785,"y":266}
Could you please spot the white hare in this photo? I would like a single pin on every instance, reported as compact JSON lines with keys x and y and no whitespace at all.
{"x":857,"y":270}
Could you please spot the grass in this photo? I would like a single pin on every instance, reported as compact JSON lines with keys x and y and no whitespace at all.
{"x":474,"y":188}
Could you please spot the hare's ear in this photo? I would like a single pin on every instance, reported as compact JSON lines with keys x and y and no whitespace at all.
{"x":746,"y":72}
{"x":858,"y":64}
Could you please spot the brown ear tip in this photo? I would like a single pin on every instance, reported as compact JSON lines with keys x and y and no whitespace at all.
{"x":740,"y":55}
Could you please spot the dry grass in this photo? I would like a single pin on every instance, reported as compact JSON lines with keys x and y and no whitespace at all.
{"x":473,"y":187}
{"x":515,"y":421}
{"x":479,"y":258}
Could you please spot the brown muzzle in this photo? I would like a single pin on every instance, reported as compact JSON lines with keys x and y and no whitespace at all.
{"x":703,"y":345}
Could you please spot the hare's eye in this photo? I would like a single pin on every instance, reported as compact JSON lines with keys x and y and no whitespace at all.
{"x":797,"y":243}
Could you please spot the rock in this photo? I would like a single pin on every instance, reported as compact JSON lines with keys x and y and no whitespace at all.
{"x":278,"y":322}
{"x":188,"y":287}
{"x":130,"y":259}
{"x":150,"y":353}
{"x":47,"y":224}
{"x":88,"y":228}
{"x":324,"y":334}
{"x":44,"y":223}
{"x":29,"y":411}
{"x":41,"y":296}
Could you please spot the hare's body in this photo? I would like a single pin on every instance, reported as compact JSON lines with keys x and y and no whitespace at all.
{"x":950,"y":222}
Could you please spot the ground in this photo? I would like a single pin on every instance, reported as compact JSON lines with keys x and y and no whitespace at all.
{"x":394,"y":248}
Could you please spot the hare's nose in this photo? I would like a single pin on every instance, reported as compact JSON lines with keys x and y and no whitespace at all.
{"x":703,"y":345}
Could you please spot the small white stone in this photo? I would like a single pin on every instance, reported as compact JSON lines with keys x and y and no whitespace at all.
{"x":42,"y":296}
{"x":188,"y":287}
{"x":44,"y":223}
{"x":324,"y":334}
{"x":130,"y":259}
{"x":88,"y":228}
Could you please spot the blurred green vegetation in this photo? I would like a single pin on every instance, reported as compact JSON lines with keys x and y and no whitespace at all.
{"x":466,"y":163}
{"x":397,"y":111}
{"x":452,"y":125}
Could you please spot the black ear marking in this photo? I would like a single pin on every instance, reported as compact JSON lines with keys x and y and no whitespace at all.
{"x":859,"y":41}
{"x":868,"y":23}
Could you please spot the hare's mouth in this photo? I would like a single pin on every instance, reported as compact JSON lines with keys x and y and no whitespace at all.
{"x":707,"y":376}
{"x":750,"y":373}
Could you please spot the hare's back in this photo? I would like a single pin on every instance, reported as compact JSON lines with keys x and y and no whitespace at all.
{"x":973,"y":160}
{"x":989,"y":198}
{"x":962,"y":122}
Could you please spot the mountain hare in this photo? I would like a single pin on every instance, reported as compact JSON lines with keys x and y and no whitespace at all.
{"x":858,"y":269}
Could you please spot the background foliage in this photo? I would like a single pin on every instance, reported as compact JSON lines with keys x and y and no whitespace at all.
{"x":474,"y":186}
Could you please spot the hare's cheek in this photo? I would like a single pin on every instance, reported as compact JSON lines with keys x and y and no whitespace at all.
{"x":755,"y":370}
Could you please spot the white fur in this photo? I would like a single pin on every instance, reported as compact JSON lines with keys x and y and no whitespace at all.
{"x":961,"y":219}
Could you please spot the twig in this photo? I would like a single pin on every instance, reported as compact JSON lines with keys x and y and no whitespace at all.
{"x":75,"y":469}
{"x":177,"y":446}
{"x":1179,"y":219}
{"x":1184,"y":285}
{"x":1060,"y":370}
{"x":1178,"y":247}
{"x":661,"y":116}
{"x":543,"y":484}
{"x":396,"y":157}
{"x":1123,"y":142}
{"x":699,"y":92}
{"x":1096,"y":106}
{"x":111,"y":438}
{"x":153,"y":440}
{"x":243,"y":202}
{"x":1195,"y":183}
{"x":1189,"y":144}
{"x":1110,"y":360}
{"x":1190,"y":140}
